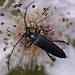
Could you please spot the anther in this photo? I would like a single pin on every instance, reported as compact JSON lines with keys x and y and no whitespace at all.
{"x":15,"y":6}
{"x":2,"y":23}
{"x":14,"y":25}
{"x":1,"y":14}
{"x":19,"y":5}
{"x":33,"y":6}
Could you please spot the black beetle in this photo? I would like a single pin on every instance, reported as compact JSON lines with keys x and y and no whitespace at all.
{"x":40,"y":41}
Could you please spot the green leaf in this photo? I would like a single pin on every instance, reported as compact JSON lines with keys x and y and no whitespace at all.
{"x":28,"y":72}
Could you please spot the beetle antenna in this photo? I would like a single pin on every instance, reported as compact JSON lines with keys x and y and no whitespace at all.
{"x":26,"y":14}
{"x":21,"y":37}
{"x":13,"y":50}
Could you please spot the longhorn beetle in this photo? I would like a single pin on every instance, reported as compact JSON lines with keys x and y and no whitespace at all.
{"x":40,"y":41}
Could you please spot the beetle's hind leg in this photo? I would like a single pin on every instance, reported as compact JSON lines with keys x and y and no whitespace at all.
{"x":53,"y":59}
{"x":45,"y":30}
{"x":60,"y":41}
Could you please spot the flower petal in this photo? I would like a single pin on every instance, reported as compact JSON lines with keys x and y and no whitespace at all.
{"x":3,"y":66}
{"x":69,"y":2}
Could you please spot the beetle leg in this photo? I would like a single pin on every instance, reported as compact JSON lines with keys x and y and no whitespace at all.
{"x":30,"y":44}
{"x":60,"y":41}
{"x":44,"y":30}
{"x":28,"y":41}
{"x":53,"y":59}
{"x":36,"y":30}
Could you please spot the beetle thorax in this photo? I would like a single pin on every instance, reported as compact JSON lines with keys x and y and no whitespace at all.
{"x":33,"y":36}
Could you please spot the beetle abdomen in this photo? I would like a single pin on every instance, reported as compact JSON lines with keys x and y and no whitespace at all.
{"x":49,"y":46}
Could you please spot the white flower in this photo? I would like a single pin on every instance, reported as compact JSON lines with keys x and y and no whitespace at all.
{"x":41,"y":14}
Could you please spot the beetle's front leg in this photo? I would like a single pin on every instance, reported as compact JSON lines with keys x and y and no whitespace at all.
{"x":30,"y":45}
{"x":45,"y":30}
{"x":60,"y":41}
{"x":53,"y":59}
{"x":36,"y":30}
{"x":26,"y":46}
